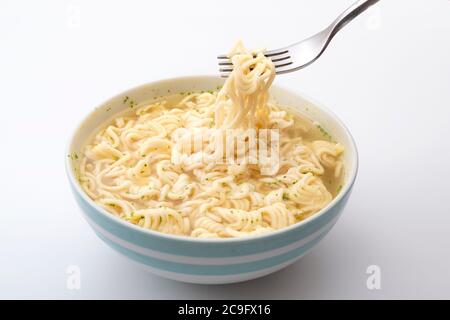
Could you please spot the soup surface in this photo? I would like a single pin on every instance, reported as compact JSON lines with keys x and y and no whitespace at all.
{"x":225,"y":163}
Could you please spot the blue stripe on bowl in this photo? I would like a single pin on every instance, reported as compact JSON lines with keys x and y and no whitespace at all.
{"x":212,"y":270}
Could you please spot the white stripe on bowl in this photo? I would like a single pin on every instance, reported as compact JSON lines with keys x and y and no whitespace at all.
{"x":211,"y":261}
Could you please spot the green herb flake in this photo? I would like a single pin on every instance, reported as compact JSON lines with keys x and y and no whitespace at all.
{"x":323,"y":131}
{"x":73,"y":156}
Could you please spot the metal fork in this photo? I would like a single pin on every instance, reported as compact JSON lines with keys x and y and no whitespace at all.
{"x":303,"y":53}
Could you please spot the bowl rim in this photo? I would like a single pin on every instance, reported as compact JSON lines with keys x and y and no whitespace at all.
{"x":352,"y":173}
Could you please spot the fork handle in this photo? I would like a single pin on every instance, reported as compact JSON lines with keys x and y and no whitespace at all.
{"x":348,"y":15}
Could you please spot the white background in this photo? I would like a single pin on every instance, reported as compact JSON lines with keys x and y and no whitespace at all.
{"x":387,"y":76}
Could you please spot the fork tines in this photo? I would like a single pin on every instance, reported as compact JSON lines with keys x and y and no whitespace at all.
{"x":281,"y":59}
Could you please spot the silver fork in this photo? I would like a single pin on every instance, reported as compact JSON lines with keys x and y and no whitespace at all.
{"x":303,"y":53}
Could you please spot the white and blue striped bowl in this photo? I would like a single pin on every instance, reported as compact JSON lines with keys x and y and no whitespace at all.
{"x":210,"y":261}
